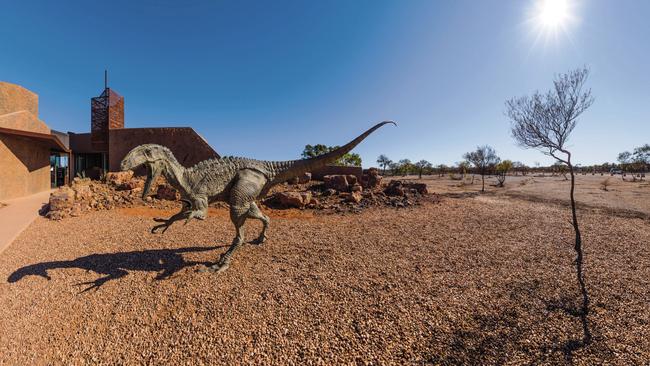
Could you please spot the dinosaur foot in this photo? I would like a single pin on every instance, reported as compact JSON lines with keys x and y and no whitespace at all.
{"x":215,"y":268}
{"x":260,"y":240}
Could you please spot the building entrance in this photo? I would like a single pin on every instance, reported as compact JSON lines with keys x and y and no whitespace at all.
{"x":58,"y":169}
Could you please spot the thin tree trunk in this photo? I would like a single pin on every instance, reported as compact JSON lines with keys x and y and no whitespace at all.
{"x":579,"y":262}
{"x":483,"y":180}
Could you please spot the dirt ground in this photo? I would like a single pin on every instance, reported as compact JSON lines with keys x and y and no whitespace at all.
{"x":622,"y":197}
{"x":474,"y":280}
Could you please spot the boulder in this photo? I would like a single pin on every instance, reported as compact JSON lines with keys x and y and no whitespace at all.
{"x":399,"y":188}
{"x":421,"y":188}
{"x":371,"y":178}
{"x":337,"y":182}
{"x":293,"y":199}
{"x":395,"y":188}
{"x":61,"y":202}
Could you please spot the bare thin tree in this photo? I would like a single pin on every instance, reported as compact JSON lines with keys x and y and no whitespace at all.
{"x":545,"y":122}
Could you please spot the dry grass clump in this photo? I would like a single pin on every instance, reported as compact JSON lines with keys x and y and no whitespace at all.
{"x":605,"y":184}
{"x":464,"y":281}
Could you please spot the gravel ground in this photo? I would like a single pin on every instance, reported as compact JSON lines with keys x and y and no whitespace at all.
{"x":477,"y":280}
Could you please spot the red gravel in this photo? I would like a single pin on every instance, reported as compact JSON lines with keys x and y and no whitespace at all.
{"x":477,"y":280}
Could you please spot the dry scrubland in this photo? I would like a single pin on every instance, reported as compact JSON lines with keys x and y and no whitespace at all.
{"x":477,"y":279}
{"x":625,"y":198}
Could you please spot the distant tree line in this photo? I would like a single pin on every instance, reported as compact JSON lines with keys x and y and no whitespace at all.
{"x":349,"y":159}
{"x":627,"y":163}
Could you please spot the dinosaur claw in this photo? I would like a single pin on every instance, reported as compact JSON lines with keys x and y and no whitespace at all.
{"x":163,"y":226}
{"x":260,"y":240}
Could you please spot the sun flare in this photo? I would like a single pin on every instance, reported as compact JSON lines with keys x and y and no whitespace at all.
{"x":553,"y":13}
{"x":551,"y":19}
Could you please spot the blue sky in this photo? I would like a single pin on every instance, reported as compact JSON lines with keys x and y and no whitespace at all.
{"x":263,"y":78}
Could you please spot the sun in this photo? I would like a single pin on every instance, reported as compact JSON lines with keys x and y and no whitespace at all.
{"x":553,"y":13}
{"x":551,"y":19}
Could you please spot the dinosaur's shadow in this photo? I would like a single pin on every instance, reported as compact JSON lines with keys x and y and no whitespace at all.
{"x":117,"y":265}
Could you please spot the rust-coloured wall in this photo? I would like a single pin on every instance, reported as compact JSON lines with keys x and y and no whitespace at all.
{"x":80,"y":143}
{"x":188,"y":147}
{"x":14,"y":98}
{"x":334,"y":170}
{"x":24,"y":166}
{"x":24,"y":121}
{"x":115,"y":110}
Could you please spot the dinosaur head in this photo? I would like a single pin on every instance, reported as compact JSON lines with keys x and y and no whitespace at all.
{"x":39,"y":269}
{"x":152,"y":157}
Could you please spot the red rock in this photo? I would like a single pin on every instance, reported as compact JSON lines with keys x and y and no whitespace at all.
{"x":338,"y":182}
{"x":395,"y":188}
{"x":82,"y":192}
{"x":61,"y":202}
{"x":293,"y":199}
{"x":131,"y":184}
{"x":118,"y":178}
{"x":371,"y":178}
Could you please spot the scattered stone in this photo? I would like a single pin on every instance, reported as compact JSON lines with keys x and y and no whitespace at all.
{"x":352,"y":179}
{"x":166,"y":192}
{"x":131,"y":184}
{"x":400,"y":188}
{"x":118,"y":178}
{"x":82,"y":192}
{"x":355,"y":197}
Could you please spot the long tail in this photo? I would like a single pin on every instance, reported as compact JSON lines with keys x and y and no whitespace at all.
{"x":289,"y":169}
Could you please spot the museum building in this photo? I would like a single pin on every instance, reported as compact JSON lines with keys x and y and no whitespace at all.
{"x":35,"y":158}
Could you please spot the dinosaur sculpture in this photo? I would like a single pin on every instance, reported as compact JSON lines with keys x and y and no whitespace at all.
{"x":237,"y":181}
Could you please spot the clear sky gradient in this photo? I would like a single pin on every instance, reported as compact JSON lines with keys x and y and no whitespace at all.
{"x":263,"y":78}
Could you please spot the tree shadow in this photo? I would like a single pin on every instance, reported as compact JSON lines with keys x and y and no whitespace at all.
{"x":567,"y":306}
{"x":490,"y":337}
{"x":165,"y":262}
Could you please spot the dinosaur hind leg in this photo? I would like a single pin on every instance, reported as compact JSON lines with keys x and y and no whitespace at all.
{"x":243,"y":193}
{"x":238,"y":218}
{"x":254,"y":212}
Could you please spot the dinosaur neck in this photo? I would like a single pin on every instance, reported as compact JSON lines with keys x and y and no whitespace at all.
{"x":174,"y":174}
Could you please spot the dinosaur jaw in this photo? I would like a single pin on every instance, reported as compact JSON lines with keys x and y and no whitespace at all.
{"x":153,"y":171}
